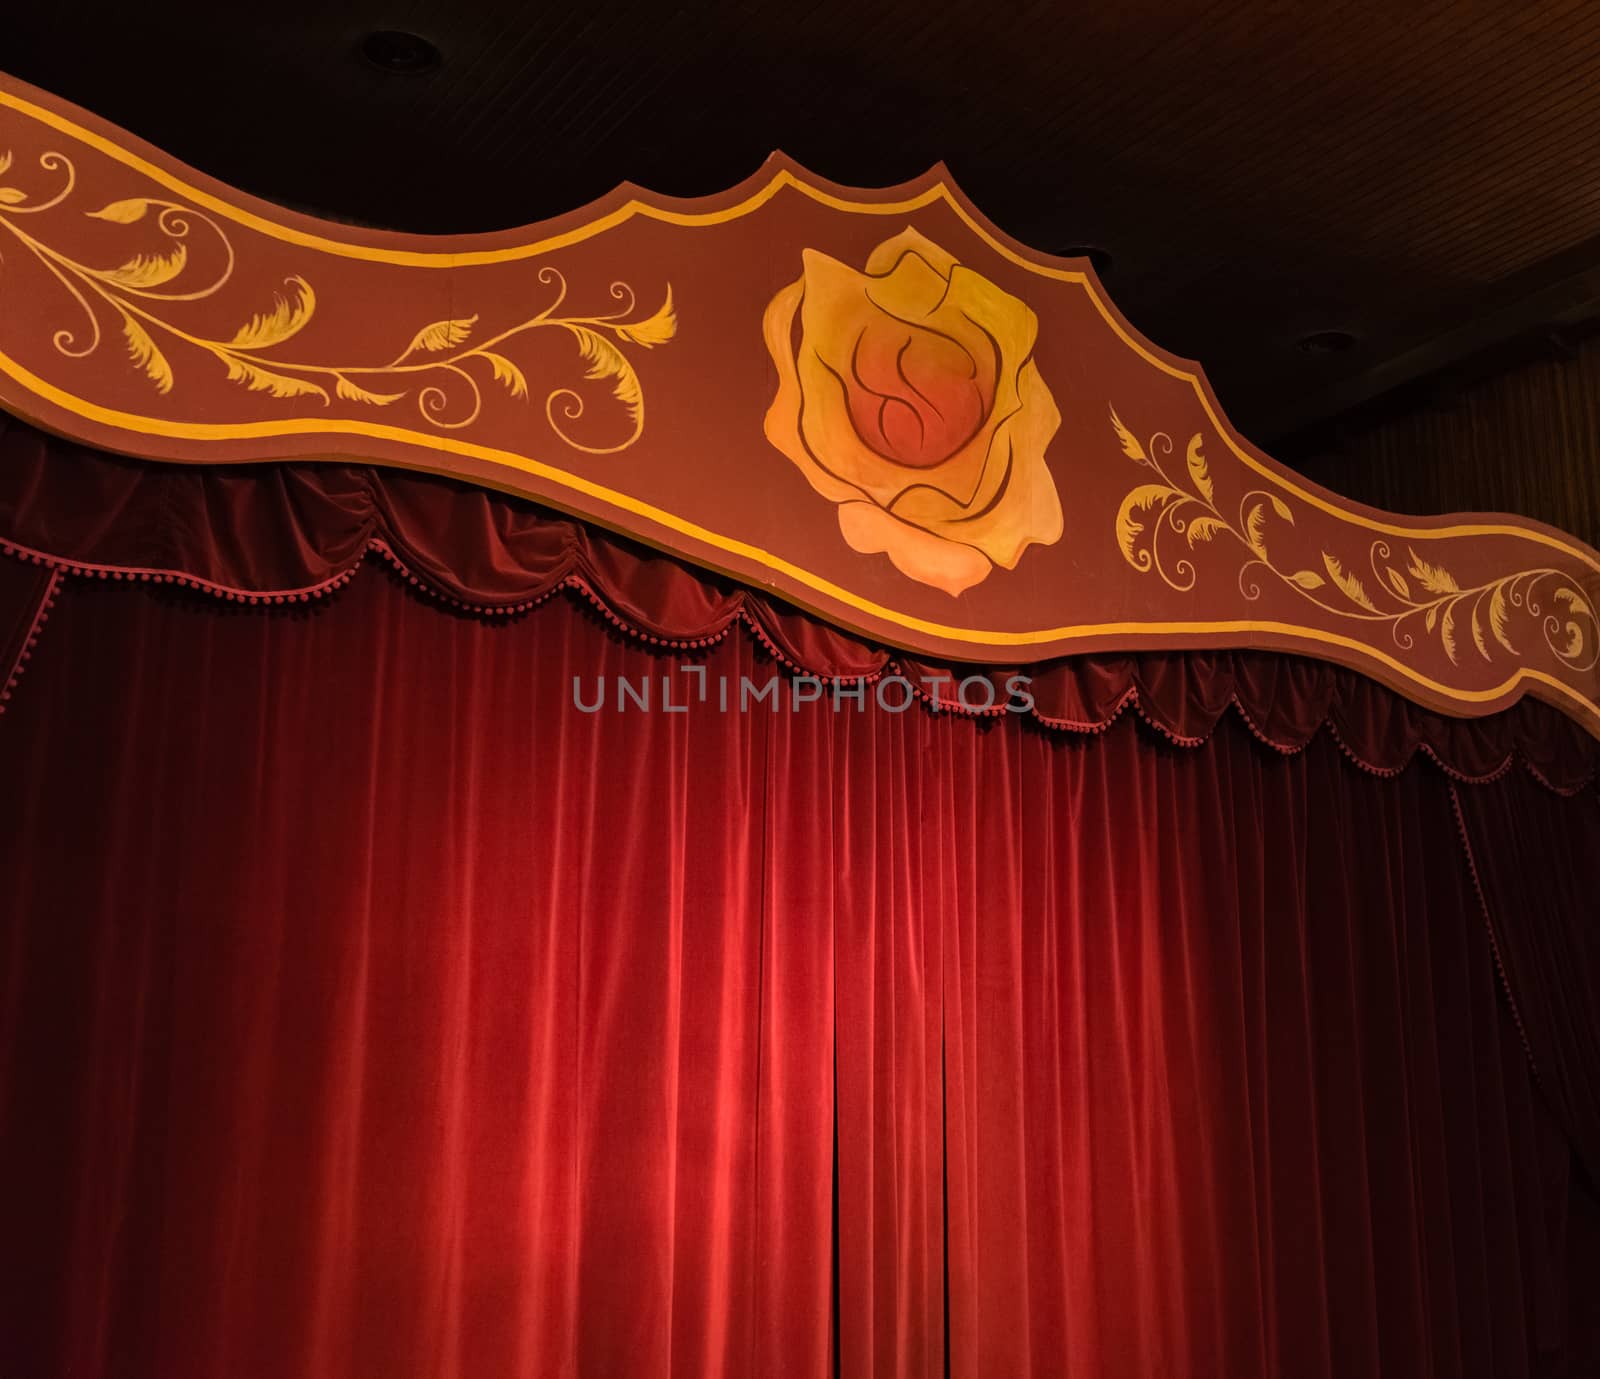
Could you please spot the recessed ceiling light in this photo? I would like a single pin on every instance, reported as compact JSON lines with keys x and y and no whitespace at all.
{"x":393,"y":50}
{"x":1099,"y":259}
{"x":1326,"y":342}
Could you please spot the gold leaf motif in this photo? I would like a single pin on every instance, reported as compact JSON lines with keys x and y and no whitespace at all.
{"x":1255,"y":526}
{"x":1477,"y":632}
{"x":150,"y":270}
{"x":285,"y":319}
{"x":260,"y":380}
{"x":1571,"y":598}
{"x":122,"y":212}
{"x":1144,"y":497}
{"x":1130,"y":445}
{"x":442,"y":335}
{"x":452,"y":398}
{"x":508,"y":373}
{"x":1348,"y":582}
{"x":1434,"y":578}
{"x":605,"y":360}
{"x":1500,"y":618}
{"x":1183,"y":506}
{"x":354,"y":392}
{"x":657,"y":330}
{"x":1197,"y":469}
{"x":146,"y":355}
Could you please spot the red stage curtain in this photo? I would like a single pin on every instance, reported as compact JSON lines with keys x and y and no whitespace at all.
{"x":1543,"y":903}
{"x":287,"y":533}
{"x":367,"y":1008}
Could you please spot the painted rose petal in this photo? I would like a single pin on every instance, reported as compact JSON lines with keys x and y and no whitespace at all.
{"x":949,"y":383}
{"x":882,"y":259}
{"x":917,"y":554}
{"x":934,"y":413}
{"x":911,"y":290}
{"x":783,"y":420}
{"x":924,"y":417}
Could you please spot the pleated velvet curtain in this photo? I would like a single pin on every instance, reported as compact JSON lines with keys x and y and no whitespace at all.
{"x":367,"y":1006}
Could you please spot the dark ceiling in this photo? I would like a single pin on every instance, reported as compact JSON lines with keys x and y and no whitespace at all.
{"x":1422,"y":176}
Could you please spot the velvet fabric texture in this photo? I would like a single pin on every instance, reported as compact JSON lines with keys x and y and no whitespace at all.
{"x":286,"y":534}
{"x":369,"y":1007}
{"x":373,"y":1002}
{"x":1542,"y":901}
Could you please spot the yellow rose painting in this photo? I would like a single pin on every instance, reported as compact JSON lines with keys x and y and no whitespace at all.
{"x":908,"y":395}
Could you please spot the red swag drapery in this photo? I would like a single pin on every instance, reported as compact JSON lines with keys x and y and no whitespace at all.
{"x":366,"y":1007}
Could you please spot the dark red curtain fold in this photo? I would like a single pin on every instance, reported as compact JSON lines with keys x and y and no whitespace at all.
{"x":1543,"y":902}
{"x":368,"y":1007}
{"x":288,"y":533}
{"x":27,"y":593}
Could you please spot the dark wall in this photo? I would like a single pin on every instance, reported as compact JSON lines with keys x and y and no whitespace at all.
{"x":1525,"y":441}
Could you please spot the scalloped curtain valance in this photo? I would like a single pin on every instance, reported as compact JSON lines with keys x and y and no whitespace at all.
{"x":291,"y":532}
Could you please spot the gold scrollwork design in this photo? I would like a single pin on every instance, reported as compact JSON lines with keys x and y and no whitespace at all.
{"x":1422,"y":595}
{"x":432,"y":370}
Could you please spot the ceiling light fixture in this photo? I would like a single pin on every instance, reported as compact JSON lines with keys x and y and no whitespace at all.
{"x":1326,"y":342}
{"x":392,"y":50}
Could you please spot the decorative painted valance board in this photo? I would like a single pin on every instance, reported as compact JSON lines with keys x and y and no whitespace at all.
{"x":874,"y":403}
